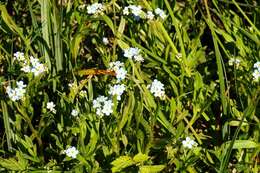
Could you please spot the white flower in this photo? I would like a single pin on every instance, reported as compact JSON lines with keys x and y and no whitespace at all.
{"x":102,"y":99}
{"x":133,"y":53}
{"x":19,"y":56}
{"x":117,"y":90}
{"x":118,"y":67}
{"x":38,"y":69}
{"x":157,"y":89}
{"x":11,"y":93}
{"x":72,"y":152}
{"x":189,"y":143}
{"x":72,"y":85}
{"x":83,"y":93}
{"x":160,"y":13}
{"x":115,"y":65}
{"x":257,"y":65}
{"x":107,"y":107}
{"x":33,"y":66}
{"x":18,"y":92}
{"x":126,"y":11}
{"x":96,"y":104}
{"x":34,"y":61}
{"x":103,"y":106}
{"x":20,"y":84}
{"x":26,"y":68}
{"x":95,"y":8}
{"x":135,"y":10}
{"x":74,"y":113}
{"x":256,"y":73}
{"x":233,"y":61}
{"x":105,"y":40}
{"x":121,"y":74}
{"x":138,"y":58}
{"x":51,"y":107}
{"x":150,"y":15}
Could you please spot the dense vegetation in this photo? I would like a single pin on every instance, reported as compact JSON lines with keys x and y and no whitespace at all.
{"x":130,"y":86}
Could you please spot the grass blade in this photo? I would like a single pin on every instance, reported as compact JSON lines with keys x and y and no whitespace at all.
{"x":8,"y":131}
{"x":45,"y":21}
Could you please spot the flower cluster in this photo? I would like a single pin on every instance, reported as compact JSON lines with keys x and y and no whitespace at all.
{"x":105,"y":40}
{"x":73,"y":85}
{"x":160,"y":13}
{"x":103,"y":105}
{"x":95,"y":8}
{"x":117,"y":90}
{"x":189,"y":143}
{"x":51,"y":106}
{"x":157,"y":89}
{"x":83,"y":94}
{"x":133,"y":9}
{"x":150,"y":15}
{"x":16,"y":93}
{"x":234,"y":61}
{"x":74,"y":113}
{"x":137,"y":12}
{"x":256,"y":73}
{"x":133,"y":53}
{"x":19,"y":56}
{"x":31,"y":66}
{"x":72,"y":152}
{"x":118,"y":67}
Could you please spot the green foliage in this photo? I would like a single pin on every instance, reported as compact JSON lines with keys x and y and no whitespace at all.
{"x":205,"y":54}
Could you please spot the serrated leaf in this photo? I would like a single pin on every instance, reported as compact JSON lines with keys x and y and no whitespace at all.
{"x":121,"y":163}
{"x":151,"y":169}
{"x":140,"y":157}
{"x":13,"y":164}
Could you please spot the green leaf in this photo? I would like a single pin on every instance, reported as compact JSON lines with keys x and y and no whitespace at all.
{"x":46,"y":22}
{"x":93,"y":141}
{"x":8,"y":130}
{"x":121,"y":163}
{"x":140,"y":157}
{"x":163,"y":120}
{"x":15,"y":165}
{"x":151,"y":169}
{"x":9,"y":21}
{"x":109,"y":22}
{"x":121,"y":27}
{"x":127,"y":110}
{"x":239,"y":144}
{"x":75,"y":45}
{"x":226,"y":36}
